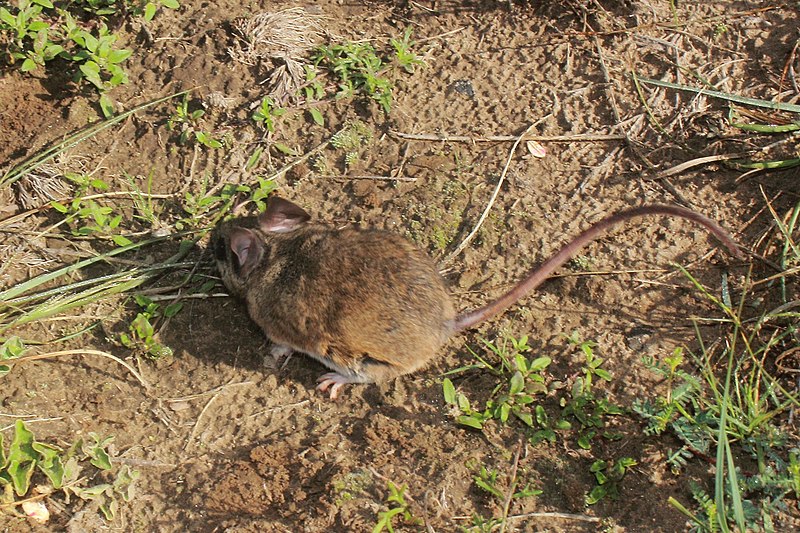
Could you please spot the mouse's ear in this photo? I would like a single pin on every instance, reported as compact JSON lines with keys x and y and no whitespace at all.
{"x":247,"y":248}
{"x":282,"y":216}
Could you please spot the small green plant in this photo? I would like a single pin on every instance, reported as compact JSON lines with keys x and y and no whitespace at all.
{"x":504,"y":487}
{"x":259,"y":194}
{"x":359,"y":69}
{"x":609,"y":477}
{"x":12,"y":348}
{"x":407,"y":59}
{"x":85,"y":215}
{"x":266,"y":114}
{"x":521,"y":380}
{"x":114,"y":8}
{"x":199,"y":205}
{"x":590,"y":412}
{"x":28,"y":463}
{"x":99,"y":62}
{"x":142,"y":332}
{"x":353,"y":136}
{"x":187,"y":123}
{"x":348,"y":486}
{"x":30,"y":36}
{"x":313,"y":89}
{"x":400,"y":508}
{"x":488,"y":481}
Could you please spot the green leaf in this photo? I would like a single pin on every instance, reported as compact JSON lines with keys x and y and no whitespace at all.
{"x":563,"y":424}
{"x":284,"y":149}
{"x":539,"y":364}
{"x":118,"y":56}
{"x":97,"y":453}
{"x":597,"y":494}
{"x":172,"y":309}
{"x":50,"y":463}
{"x":469,"y":421}
{"x":119,"y":240}
{"x":585,"y":442}
{"x":28,"y":65}
{"x":4,"y":369}
{"x":170,"y":4}
{"x":449,"y":391}
{"x":123,"y":485}
{"x":149,"y":11}
{"x":251,"y":163}
{"x":91,"y":493}
{"x":90,"y":41}
{"x":316,"y":115}
{"x":44,"y":3}
{"x":106,"y":106}
{"x":21,"y":459}
{"x":12,"y":348}
{"x":505,"y":410}
{"x":517,"y":383}
{"x":525,"y":417}
{"x":7,"y":17}
{"x":38,"y":25}
{"x":602,"y":374}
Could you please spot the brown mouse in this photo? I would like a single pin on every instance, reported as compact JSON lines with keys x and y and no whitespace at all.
{"x":366,"y":303}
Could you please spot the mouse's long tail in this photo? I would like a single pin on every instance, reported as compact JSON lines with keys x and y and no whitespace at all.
{"x":543,"y":271}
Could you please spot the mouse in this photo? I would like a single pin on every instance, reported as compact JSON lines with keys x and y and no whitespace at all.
{"x":367,"y":303}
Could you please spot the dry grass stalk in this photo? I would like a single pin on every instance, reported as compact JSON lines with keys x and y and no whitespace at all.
{"x":42,"y":186}
{"x":283,"y":40}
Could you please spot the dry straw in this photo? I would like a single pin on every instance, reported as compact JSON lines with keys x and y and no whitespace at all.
{"x":282,"y":40}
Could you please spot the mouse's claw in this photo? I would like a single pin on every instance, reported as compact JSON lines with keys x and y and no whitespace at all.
{"x":332,"y":381}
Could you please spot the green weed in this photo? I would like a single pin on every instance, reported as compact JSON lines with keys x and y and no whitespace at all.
{"x":266,"y":114}
{"x":398,"y":509}
{"x":66,"y":471}
{"x":351,"y":139}
{"x":141,"y":334}
{"x":12,"y":348}
{"x":361,"y":70}
{"x":608,"y":476}
{"x":187,"y":122}
{"x":85,"y":215}
{"x":720,"y":418}
{"x":403,"y":54}
{"x":521,"y":381}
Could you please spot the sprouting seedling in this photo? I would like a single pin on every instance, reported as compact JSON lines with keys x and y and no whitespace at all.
{"x":266,"y":114}
{"x":142,"y":332}
{"x":609,"y":477}
{"x":400,"y":508}
{"x":403,"y":54}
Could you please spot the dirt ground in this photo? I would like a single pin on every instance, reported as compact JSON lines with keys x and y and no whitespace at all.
{"x":224,"y":443}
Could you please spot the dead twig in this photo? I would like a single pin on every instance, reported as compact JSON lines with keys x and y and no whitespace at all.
{"x":579,"y":137}
{"x":107,"y":355}
{"x":566,"y":516}
{"x":500,"y":182}
{"x":686,"y":165}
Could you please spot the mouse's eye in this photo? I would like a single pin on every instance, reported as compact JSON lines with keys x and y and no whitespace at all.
{"x":219,"y":249}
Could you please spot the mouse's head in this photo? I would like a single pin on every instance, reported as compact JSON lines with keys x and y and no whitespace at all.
{"x":239,"y":245}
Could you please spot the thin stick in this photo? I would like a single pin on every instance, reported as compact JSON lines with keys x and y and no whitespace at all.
{"x":686,"y":165}
{"x":566,"y":516}
{"x":208,"y":404}
{"x":586,"y":137}
{"x":107,"y":355}
{"x":511,"y":488}
{"x":368,"y":177}
{"x":32,"y":421}
{"x":500,"y":182}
